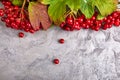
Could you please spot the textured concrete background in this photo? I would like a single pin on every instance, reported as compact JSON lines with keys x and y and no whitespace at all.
{"x":86,"y":55}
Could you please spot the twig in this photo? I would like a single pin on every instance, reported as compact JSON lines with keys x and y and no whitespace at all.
{"x":22,"y":10}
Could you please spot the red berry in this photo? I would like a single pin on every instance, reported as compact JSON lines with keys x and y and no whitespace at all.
{"x":56,"y":61}
{"x":31,"y":31}
{"x":105,"y":26}
{"x":21,"y":34}
{"x":10,"y":9}
{"x":117,"y":23}
{"x":12,"y":18}
{"x":67,"y":28}
{"x":92,"y":27}
{"x":7,"y":12}
{"x":62,"y":24}
{"x":105,"y":19}
{"x":80,"y":19}
{"x":71,"y":29}
{"x":110,"y":25}
{"x":76,"y":25}
{"x":108,"y":21}
{"x":88,"y":21}
{"x":1,"y":12}
{"x":14,"y":25}
{"x":97,"y":28}
{"x":3,"y":19}
{"x":26,"y":30}
{"x":8,"y":3}
{"x":16,"y":7}
{"x":117,"y":19}
{"x":18,"y":21}
{"x":115,"y":14}
{"x":76,"y":22}
{"x":93,"y":18}
{"x":28,"y":25}
{"x":91,"y":22}
{"x":6,"y":6}
{"x":112,"y":21}
{"x":87,"y":26}
{"x":70,"y":20}
{"x":3,"y":2}
{"x":9,"y":15}
{"x":98,"y":23}
{"x":61,"y":41}
{"x":110,"y":17}
{"x":8,"y":25}
{"x":83,"y":25}
{"x":83,"y":16}
{"x":23,"y":24}
{"x":7,"y":20}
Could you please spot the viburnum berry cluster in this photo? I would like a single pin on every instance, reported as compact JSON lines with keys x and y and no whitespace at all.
{"x":71,"y":23}
{"x":15,"y":17}
{"x":33,"y":15}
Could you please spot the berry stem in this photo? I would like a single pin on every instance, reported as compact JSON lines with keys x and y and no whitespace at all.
{"x":22,"y":10}
{"x":66,"y":13}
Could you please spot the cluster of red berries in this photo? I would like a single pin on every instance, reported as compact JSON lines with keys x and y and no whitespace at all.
{"x":13,"y":18}
{"x":72,"y":23}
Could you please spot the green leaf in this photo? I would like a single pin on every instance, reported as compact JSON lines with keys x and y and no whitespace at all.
{"x":38,"y":15}
{"x":57,"y":8}
{"x":105,"y":7}
{"x":86,"y":8}
{"x":56,"y":11}
{"x":74,"y":5}
{"x":45,"y":1}
{"x":17,"y":2}
{"x":100,"y":17}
